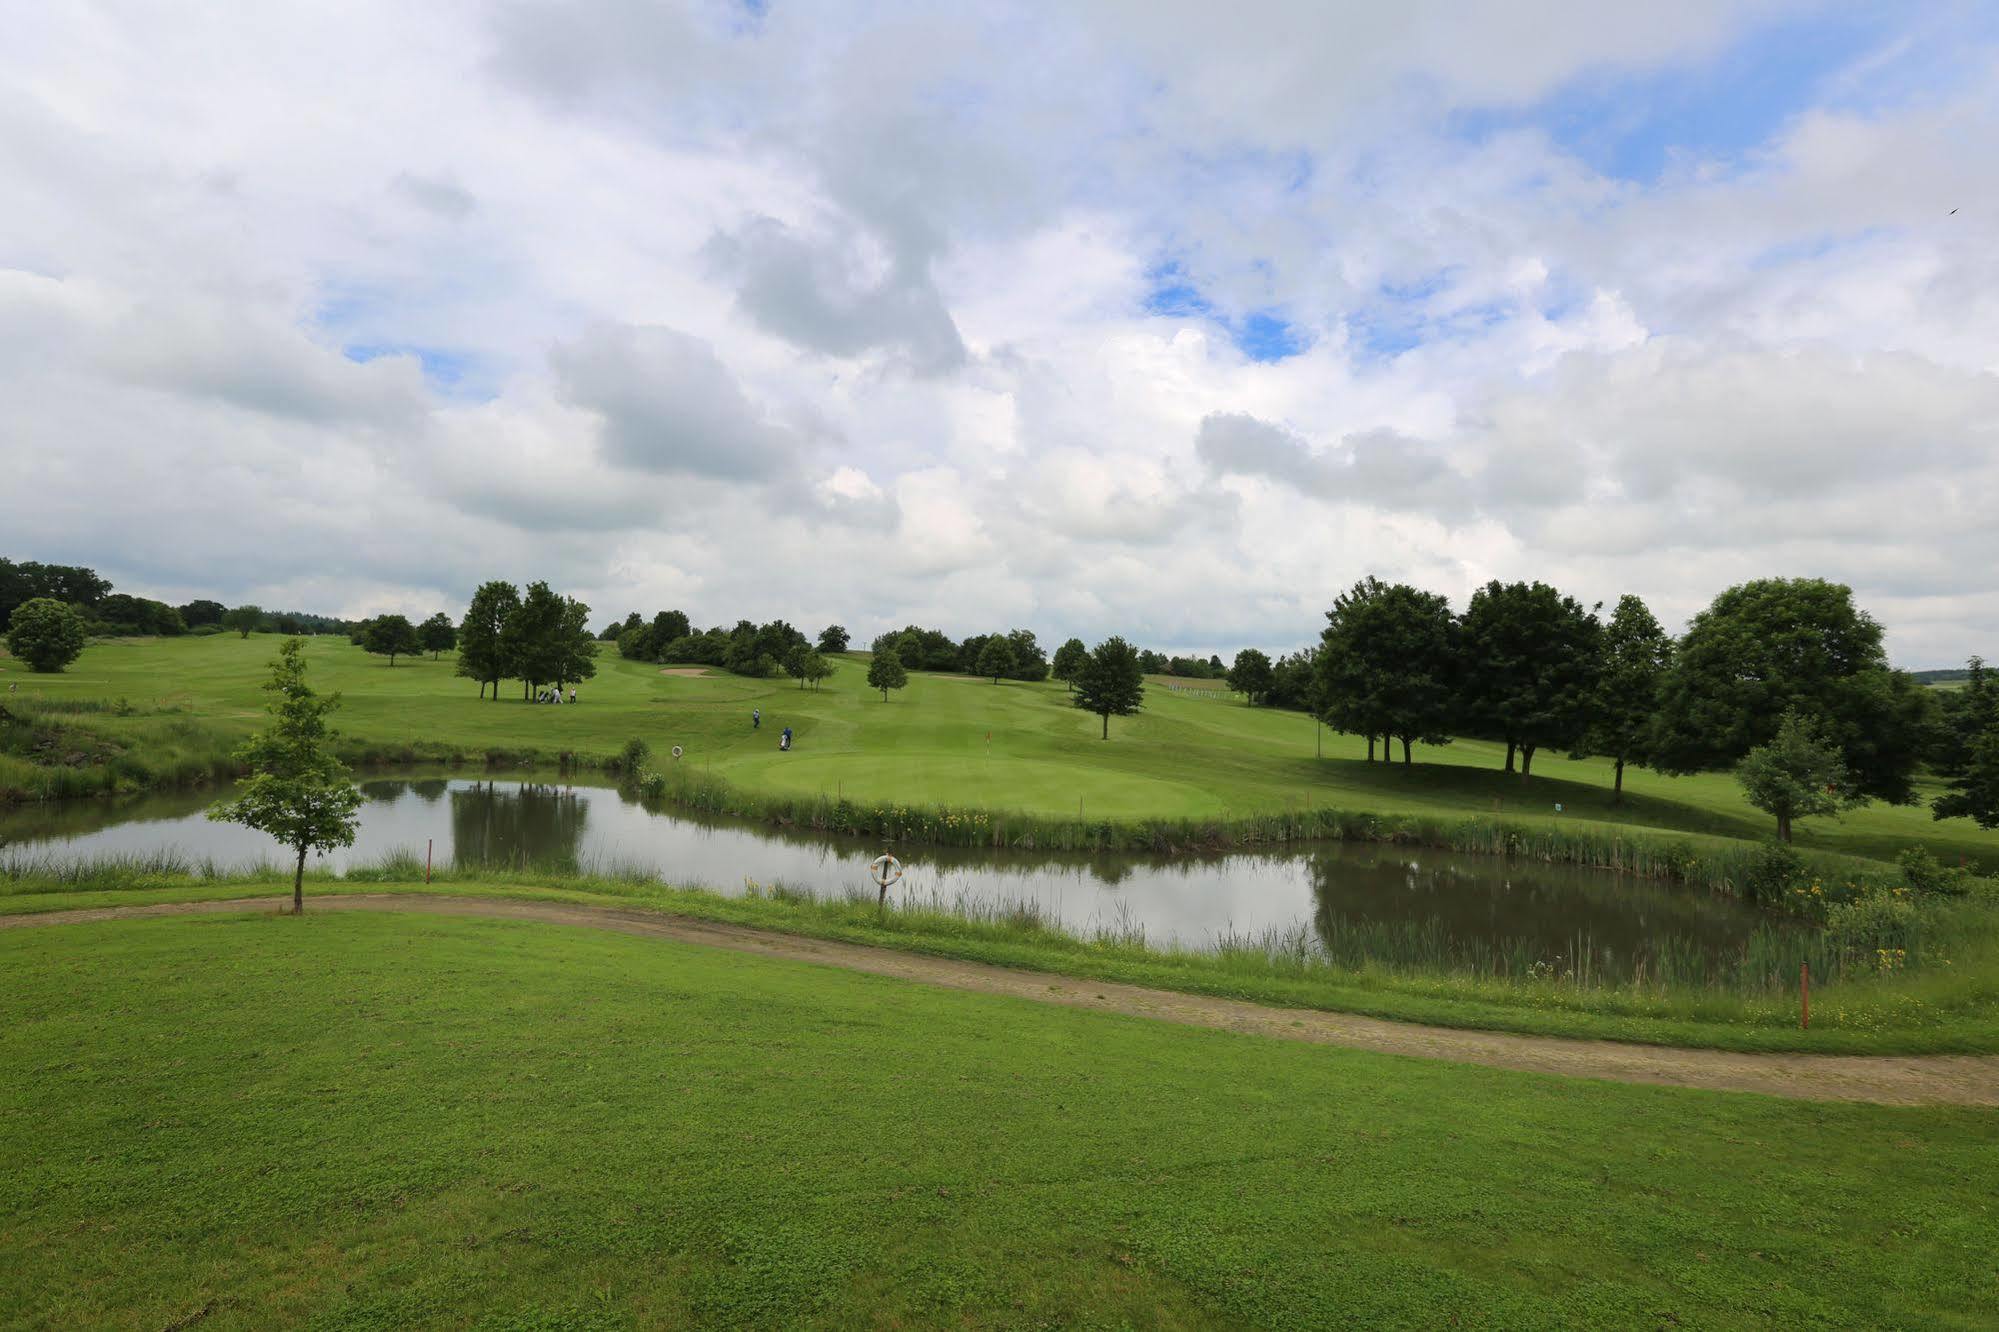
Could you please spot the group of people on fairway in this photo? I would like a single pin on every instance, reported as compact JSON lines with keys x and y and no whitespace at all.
{"x":555,"y":695}
{"x":756,"y":723}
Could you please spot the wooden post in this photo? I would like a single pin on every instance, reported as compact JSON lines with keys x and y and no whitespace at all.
{"x":428,"y":842}
{"x":1804,"y":996}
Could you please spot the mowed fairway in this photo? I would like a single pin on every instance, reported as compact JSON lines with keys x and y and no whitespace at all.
{"x":364,"y":1121}
{"x":1189,"y":753}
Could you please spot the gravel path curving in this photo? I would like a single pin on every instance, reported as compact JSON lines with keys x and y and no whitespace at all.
{"x":1885,"y":1080}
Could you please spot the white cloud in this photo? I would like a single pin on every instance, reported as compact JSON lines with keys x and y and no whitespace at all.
{"x":846,"y":313}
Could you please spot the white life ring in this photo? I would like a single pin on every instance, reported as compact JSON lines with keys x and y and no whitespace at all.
{"x":676,"y":753}
{"x":885,"y":870}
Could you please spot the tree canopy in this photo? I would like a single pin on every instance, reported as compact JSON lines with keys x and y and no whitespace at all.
{"x":45,"y":633}
{"x":245,"y":620}
{"x":1968,"y":750}
{"x":391,"y":636}
{"x":995,"y":658}
{"x":1251,"y":675}
{"x":1387,"y":664}
{"x":297,"y":791}
{"x":1069,"y":659}
{"x":833,"y":638}
{"x":1798,"y":774}
{"x":1529,"y":657}
{"x":1632,"y":663}
{"x":885,"y":668}
{"x":437,"y":634}
{"x":482,"y":646}
{"x":1780,"y":645}
{"x":1111,"y":682}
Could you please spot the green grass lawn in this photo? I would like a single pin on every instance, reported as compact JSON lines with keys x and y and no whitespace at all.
{"x":1190,"y":753}
{"x":362,"y":1121}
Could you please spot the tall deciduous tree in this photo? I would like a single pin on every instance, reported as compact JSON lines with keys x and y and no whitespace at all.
{"x":1111,"y":682}
{"x":244,"y":620}
{"x":1631,"y":666}
{"x":528,"y":643}
{"x":391,"y":636}
{"x":45,"y":633}
{"x":572,"y":654}
{"x":833,"y":638}
{"x":1530,"y":658}
{"x":1069,"y":659}
{"x":1251,"y":675}
{"x":996,"y":658}
{"x":885,"y":668}
{"x":297,"y":791}
{"x":1799,"y":774}
{"x":1791,"y":644}
{"x":1387,"y":665}
{"x":437,"y":634}
{"x":1968,"y":750}
{"x":482,"y":634}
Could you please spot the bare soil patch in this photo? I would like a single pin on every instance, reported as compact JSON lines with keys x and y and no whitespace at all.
{"x":1883,"y":1080}
{"x":683,"y":670}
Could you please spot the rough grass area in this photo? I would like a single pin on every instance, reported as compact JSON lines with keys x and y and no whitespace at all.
{"x":248,"y":1122}
{"x":1952,"y":1008}
{"x":1186,"y":757}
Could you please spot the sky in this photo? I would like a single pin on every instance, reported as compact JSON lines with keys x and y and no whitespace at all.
{"x":1165,"y":319}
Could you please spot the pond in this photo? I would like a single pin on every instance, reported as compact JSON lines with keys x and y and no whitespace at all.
{"x":1360,"y":900}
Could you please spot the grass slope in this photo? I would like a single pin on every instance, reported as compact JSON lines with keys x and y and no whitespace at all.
{"x":1189,"y":754}
{"x":381,"y":1122}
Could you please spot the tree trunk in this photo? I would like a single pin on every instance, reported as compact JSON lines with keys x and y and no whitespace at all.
{"x":1526,"y":761}
{"x":1509,"y":755}
{"x":1370,"y":749}
{"x":1783,"y":827}
{"x":1617,"y":787}
{"x":1107,"y":726}
{"x":1405,"y":751}
{"x":298,"y":883}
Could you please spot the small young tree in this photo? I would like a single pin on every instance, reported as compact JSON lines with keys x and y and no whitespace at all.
{"x":833,"y":638}
{"x":1111,"y":682}
{"x":391,"y":636}
{"x":817,"y":668}
{"x":437,"y":634}
{"x":886,"y":671}
{"x":297,"y":791}
{"x":1800,"y":774}
{"x":1252,"y":675}
{"x":45,"y":633}
{"x":244,"y":620}
{"x":794,"y":663}
{"x":1069,"y":659}
{"x":996,"y":657}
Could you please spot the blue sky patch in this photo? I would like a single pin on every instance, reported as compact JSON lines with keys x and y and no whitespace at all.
{"x":444,"y":370}
{"x":1637,"y":126}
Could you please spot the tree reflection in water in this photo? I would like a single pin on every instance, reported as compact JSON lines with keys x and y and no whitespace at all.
{"x":518,"y":825}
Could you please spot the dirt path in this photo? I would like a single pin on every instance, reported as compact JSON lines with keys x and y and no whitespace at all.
{"x":1885,"y":1080}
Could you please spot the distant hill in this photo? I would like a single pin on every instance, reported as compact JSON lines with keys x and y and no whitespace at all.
{"x":1957,"y":676}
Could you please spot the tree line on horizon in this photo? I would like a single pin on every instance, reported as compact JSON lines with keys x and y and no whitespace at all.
{"x":1784,"y":680}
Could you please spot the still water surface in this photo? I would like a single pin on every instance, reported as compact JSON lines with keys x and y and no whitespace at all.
{"x":1465,"y":905}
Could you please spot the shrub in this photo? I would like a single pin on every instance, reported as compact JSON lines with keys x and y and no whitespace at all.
{"x":1771,"y":873}
{"x":1877,"y":926}
{"x":632,"y":759}
{"x":1926,"y":874}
